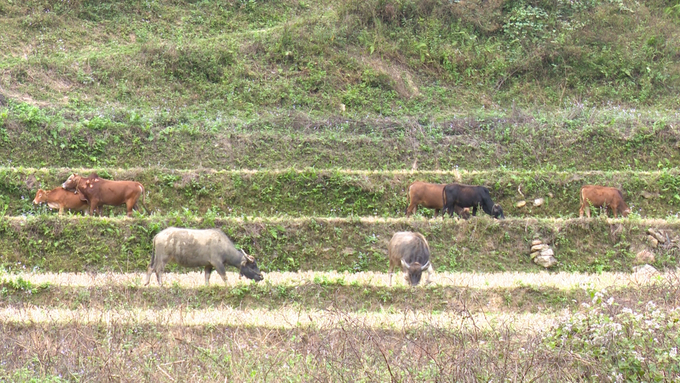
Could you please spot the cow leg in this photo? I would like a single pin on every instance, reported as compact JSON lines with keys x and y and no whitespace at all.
{"x":436,"y":211}
{"x":580,"y":211}
{"x":61,"y":209}
{"x":588,"y":211}
{"x":390,"y":272}
{"x":474,"y":210}
{"x":411,"y":209}
{"x":130,"y":205}
{"x":208,"y":271}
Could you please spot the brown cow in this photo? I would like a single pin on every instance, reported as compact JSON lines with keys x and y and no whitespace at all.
{"x":430,"y":196}
{"x":99,"y":191}
{"x":599,"y":196}
{"x":59,"y":198}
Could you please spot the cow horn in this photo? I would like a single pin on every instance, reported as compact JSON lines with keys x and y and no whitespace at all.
{"x":425,"y":266}
{"x":405,"y":264}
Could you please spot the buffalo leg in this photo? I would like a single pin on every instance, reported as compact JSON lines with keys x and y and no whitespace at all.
{"x":149,"y":270}
{"x":208,"y":271}
{"x":221,"y":271}
{"x":430,"y":271}
{"x":159,"y":273}
{"x":390,"y":272}
{"x":474,"y":210}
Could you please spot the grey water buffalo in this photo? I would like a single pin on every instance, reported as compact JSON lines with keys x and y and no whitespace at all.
{"x":598,"y":196}
{"x":410,"y":252}
{"x":98,"y":191}
{"x":429,"y":196}
{"x":209,"y":248}
{"x":460,"y":196}
{"x":60,"y":198}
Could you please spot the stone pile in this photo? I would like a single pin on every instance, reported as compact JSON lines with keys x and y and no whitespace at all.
{"x":542,"y":254}
{"x":655,"y":237}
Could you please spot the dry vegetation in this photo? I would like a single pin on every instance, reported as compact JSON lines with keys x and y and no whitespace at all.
{"x":109,"y":338}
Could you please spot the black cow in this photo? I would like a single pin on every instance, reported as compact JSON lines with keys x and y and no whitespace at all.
{"x":461,"y":196}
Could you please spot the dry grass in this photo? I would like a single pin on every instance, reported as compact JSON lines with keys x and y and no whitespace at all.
{"x":561,"y":280}
{"x":286,"y":318}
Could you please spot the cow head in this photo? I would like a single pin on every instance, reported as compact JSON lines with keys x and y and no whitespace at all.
{"x":465,"y":213}
{"x":497,"y":211}
{"x":40,"y":197}
{"x":625,"y":211}
{"x":72,"y":182}
{"x":249,"y":268}
{"x":415,"y":271}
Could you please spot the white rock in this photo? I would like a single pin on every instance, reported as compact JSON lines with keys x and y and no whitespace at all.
{"x":645,"y":269}
{"x":545,"y":261}
{"x":536,"y":242}
{"x":534,"y":254}
{"x":539,"y":202}
{"x":547,"y":252}
{"x":520,"y":204}
{"x":538,"y":247}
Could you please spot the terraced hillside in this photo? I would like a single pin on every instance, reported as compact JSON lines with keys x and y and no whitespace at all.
{"x":296,"y":127}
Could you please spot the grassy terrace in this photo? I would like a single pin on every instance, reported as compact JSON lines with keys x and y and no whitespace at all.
{"x":50,"y":243}
{"x":576,"y":138}
{"x":342,"y":193}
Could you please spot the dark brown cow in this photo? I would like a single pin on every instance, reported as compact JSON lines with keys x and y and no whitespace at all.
{"x":59,"y":198}
{"x":459,"y":196}
{"x":99,"y":191}
{"x":430,"y":196}
{"x":599,"y":196}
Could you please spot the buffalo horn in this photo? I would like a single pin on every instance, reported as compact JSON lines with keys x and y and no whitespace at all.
{"x":425,"y":266}
{"x":248,"y":257}
{"x":405,"y":264}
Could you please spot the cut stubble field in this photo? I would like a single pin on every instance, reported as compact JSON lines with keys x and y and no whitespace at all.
{"x":108,"y":326}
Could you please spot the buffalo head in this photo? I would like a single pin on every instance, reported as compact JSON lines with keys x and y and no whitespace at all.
{"x":415,"y":271}
{"x":249,"y":268}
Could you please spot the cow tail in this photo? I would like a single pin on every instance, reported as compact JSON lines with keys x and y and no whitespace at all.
{"x":408,"y":198}
{"x":143,"y":198}
{"x":582,"y":198}
{"x":443,"y":201}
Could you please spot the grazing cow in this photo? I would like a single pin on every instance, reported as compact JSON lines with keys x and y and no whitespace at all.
{"x":430,"y":196}
{"x":461,"y":196}
{"x":99,"y":191}
{"x":410,"y":252}
{"x":599,"y":196}
{"x":209,"y":248}
{"x":60,"y":198}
